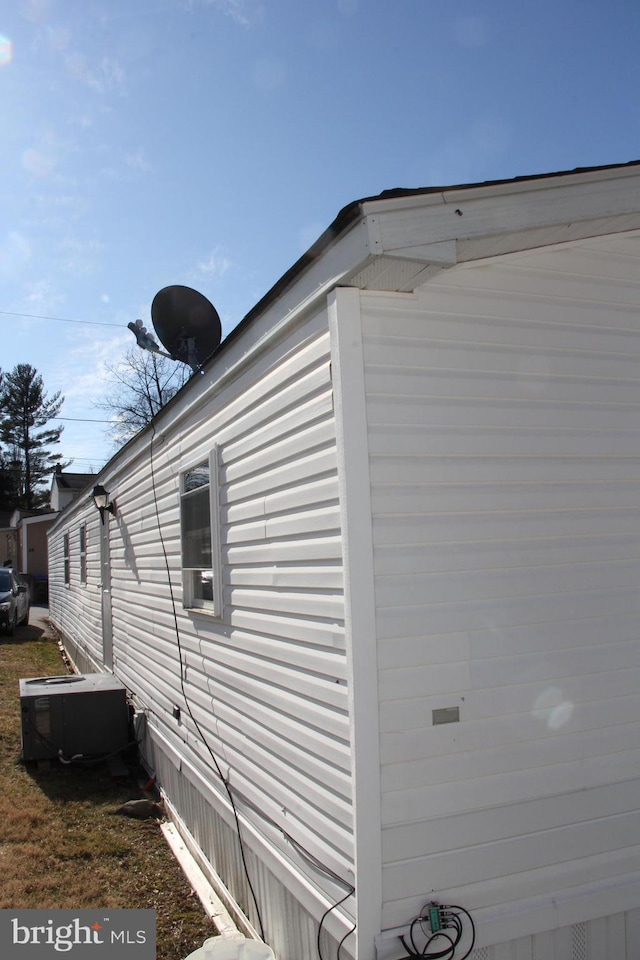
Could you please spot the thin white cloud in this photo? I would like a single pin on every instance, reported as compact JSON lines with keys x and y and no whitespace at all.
{"x":106,"y":77}
{"x":138,"y":161}
{"x":215,"y":264}
{"x":38,"y":163}
{"x":42,"y":297}
{"x":245,"y":12}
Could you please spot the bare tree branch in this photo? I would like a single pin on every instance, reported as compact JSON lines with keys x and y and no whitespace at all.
{"x":138,"y":388}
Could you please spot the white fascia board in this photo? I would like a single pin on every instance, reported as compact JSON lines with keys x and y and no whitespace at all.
{"x":41,"y":518}
{"x":493,"y":219}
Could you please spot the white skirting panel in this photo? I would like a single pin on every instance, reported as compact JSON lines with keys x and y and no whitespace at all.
{"x":290,"y":929}
{"x":616,"y":937}
{"x":80,"y":658}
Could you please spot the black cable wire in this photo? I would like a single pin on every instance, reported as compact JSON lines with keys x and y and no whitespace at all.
{"x":322,"y":921}
{"x":450,"y":919}
{"x":186,"y":699}
{"x":353,"y":929}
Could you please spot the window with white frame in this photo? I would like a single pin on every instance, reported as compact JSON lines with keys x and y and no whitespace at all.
{"x":199,"y":528}
{"x":66,"y":558}
{"x":83,"y":553}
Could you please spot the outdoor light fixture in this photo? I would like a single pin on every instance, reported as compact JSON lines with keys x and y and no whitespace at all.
{"x":101,"y":500}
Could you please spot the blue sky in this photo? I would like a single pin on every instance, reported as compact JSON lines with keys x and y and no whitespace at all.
{"x":209,"y":143}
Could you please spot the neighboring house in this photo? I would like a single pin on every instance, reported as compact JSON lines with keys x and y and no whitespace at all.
{"x":31,"y":528}
{"x":8,"y":539}
{"x":23,"y":533}
{"x":381,"y":561}
{"x":66,"y":486}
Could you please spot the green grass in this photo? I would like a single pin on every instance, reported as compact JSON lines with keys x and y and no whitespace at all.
{"x":61,"y":846}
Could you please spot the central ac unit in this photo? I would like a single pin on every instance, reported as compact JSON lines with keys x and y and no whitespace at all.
{"x":73,"y":716}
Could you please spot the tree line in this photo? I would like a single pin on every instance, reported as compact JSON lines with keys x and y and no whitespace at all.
{"x":26,"y":459}
{"x":137,"y":389}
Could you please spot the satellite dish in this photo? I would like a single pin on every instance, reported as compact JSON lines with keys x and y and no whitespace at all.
{"x":186,"y":323}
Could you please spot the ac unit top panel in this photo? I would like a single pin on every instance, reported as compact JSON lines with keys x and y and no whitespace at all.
{"x":70,"y":683}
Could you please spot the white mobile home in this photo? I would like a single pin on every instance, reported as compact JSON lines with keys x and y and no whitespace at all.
{"x":372,"y":579}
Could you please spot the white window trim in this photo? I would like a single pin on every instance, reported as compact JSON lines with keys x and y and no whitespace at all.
{"x":213,"y":608}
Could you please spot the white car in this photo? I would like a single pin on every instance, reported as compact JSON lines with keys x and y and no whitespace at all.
{"x":14,"y":601}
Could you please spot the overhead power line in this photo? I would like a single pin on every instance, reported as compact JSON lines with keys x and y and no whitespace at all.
{"x":83,"y":420}
{"x":38,"y":316}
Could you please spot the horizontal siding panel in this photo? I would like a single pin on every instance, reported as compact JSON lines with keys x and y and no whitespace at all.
{"x":464,"y":767}
{"x":482,"y":862}
{"x":495,"y":642}
{"x":503,"y":612}
{"x":550,"y":712}
{"x":272,"y":385}
{"x":279,"y":453}
{"x":499,"y":441}
{"x":504,"y":321}
{"x":238,"y":711}
{"x":268,"y":675}
{"x":440,"y":799}
{"x":499,"y":358}
{"x":309,"y":549}
{"x":329,"y":633}
{"x":276,"y":649}
{"x":527,"y":378}
{"x":525,"y":495}
{"x":585,"y":262}
{"x":415,"y":713}
{"x":503,"y":582}
{"x":426,"y":469}
{"x":325,"y":788}
{"x":503,"y":822}
{"x":283,"y":710}
{"x":288,"y":783}
{"x":297,"y":524}
{"x":487,"y":554}
{"x":505,"y":525}
{"x":293,"y":498}
{"x":274,"y":429}
{"x":317,"y":465}
{"x":283,"y":577}
{"x":518,"y":668}
{"x":435,"y":411}
{"x":305,"y":602}
{"x":530,"y":281}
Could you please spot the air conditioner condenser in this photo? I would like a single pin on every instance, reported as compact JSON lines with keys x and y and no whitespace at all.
{"x":74,"y":716}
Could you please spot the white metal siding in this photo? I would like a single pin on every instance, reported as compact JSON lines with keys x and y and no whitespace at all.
{"x":504,"y":439}
{"x":267,"y":684}
{"x":76,"y":608}
{"x":267,"y":681}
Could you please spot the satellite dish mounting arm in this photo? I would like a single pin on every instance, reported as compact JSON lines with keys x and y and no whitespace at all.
{"x":146,"y":342}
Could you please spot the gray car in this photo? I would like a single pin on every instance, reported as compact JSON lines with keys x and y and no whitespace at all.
{"x":14,"y":601}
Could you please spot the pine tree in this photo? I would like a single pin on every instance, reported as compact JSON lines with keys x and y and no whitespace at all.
{"x":25,"y":411}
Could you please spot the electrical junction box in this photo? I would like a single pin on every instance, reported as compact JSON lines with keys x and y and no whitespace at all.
{"x":74,"y":716}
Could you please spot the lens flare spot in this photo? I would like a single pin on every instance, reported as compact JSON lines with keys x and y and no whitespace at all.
{"x":552,"y":708}
{"x":6,"y":50}
{"x":37,"y":163}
